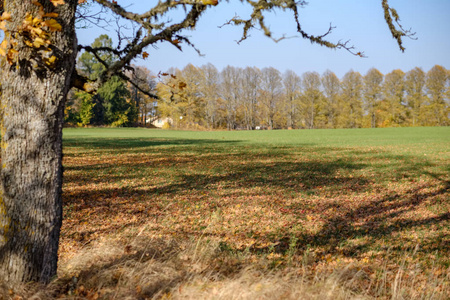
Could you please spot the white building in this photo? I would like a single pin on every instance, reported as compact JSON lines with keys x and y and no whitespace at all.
{"x":161,"y":121}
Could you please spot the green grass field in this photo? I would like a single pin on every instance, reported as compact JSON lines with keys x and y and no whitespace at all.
{"x":372,"y":202}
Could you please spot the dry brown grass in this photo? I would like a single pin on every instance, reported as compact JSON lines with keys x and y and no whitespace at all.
{"x":144,"y":267}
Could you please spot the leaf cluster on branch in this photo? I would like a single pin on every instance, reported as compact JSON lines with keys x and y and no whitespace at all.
{"x":35,"y":32}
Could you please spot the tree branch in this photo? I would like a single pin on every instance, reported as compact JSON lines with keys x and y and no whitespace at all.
{"x":167,"y":34}
{"x":397,"y":34}
{"x":152,"y":31}
{"x":126,"y":78}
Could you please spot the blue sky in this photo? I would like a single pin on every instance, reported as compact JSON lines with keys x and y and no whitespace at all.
{"x":360,"y":21}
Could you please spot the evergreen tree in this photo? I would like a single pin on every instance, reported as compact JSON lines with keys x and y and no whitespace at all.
{"x":118,"y":109}
{"x":109,"y":105}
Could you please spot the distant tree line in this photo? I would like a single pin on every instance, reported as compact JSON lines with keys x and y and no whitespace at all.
{"x":250,"y":98}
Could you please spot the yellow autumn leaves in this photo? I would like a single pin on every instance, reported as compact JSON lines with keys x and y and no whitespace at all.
{"x":57,"y":2}
{"x":35,"y":32}
{"x":4,"y":45}
{"x":210,"y":2}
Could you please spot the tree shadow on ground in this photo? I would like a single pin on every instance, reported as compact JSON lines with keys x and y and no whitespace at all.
{"x":267,"y":170}
{"x":131,"y":145}
{"x":376,"y":220}
{"x":140,"y":268}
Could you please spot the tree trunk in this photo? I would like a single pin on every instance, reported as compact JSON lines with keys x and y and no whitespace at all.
{"x":33,"y":98}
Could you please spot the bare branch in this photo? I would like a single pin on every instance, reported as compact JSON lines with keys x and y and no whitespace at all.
{"x":257,"y":21}
{"x":135,"y":48}
{"x":136,"y":85}
{"x":87,"y":17}
{"x":391,"y":16}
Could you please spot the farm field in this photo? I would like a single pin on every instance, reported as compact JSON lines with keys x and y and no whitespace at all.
{"x":335,"y":214}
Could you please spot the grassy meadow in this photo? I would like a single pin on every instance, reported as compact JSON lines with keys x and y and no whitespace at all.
{"x":299,"y":214}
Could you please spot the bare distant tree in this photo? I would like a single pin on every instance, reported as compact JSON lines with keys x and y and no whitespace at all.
{"x":144,"y":81}
{"x":231,"y":92}
{"x":415,"y":95}
{"x":270,"y":93}
{"x":394,"y":98}
{"x":331,"y":89}
{"x":210,"y":89}
{"x":250,"y":85}
{"x":436,"y":85}
{"x":372,"y":93}
{"x":351,"y":100}
{"x":311,"y":97}
{"x":292,"y":89}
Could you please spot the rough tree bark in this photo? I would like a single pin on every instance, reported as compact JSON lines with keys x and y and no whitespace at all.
{"x":33,"y":99}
